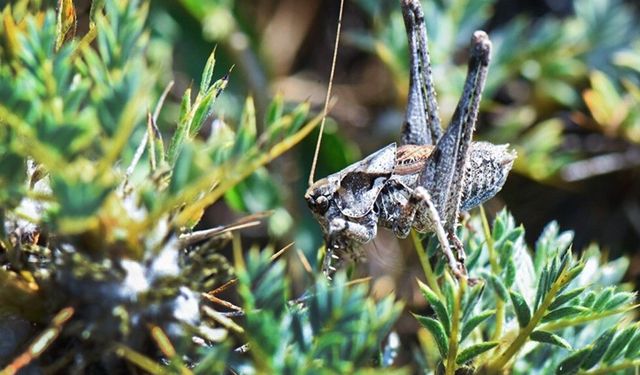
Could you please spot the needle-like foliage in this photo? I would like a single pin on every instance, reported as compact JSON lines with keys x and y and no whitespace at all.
{"x":549,"y":312}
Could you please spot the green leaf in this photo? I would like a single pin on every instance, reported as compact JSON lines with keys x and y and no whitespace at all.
{"x":571,"y":364}
{"x":472,"y":323}
{"x":523,"y":312}
{"x":600,"y":347}
{"x":510,"y":273}
{"x":437,"y":330}
{"x":202,"y":112}
{"x":501,"y":290}
{"x":207,"y":73}
{"x":275,"y":110}
{"x":602,"y":299}
{"x":566,"y":297}
{"x":246,"y":135}
{"x":437,"y":305}
{"x":550,"y":338}
{"x":616,"y":349}
{"x":473,"y":351}
{"x":183,"y":127}
{"x":618,"y":300}
{"x":564,"y":312}
{"x":633,"y":347}
{"x":79,"y":199}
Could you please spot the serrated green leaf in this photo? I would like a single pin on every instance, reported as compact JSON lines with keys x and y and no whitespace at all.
{"x":475,"y":321}
{"x":473,"y":351}
{"x":550,"y":338}
{"x":566,"y":297}
{"x":522,"y":309}
{"x":437,"y":331}
{"x":616,"y":349}
{"x":437,"y":305}
{"x":564,"y":312}
{"x":600,"y":347}
{"x":571,"y":364}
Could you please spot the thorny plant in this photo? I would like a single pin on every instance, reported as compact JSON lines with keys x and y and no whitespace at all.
{"x":424,"y":183}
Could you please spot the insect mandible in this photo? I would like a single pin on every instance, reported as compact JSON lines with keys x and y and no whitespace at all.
{"x":426,"y":181}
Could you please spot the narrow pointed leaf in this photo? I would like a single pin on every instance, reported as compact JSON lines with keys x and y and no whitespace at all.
{"x":633,"y":347}
{"x":550,"y":338}
{"x":437,"y":305}
{"x":523,"y":312}
{"x":600,"y":347}
{"x":566,"y":297}
{"x":473,"y":351}
{"x":498,"y":286}
{"x":564,"y":312}
{"x":207,"y":73}
{"x":246,"y":135}
{"x":472,"y":323}
{"x":616,"y":349}
{"x":571,"y":364}
{"x":436,"y":329}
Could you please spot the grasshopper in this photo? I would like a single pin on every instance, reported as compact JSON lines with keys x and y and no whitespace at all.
{"x":426,"y":181}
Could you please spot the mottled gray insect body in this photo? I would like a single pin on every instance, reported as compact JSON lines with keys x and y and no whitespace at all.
{"x":425,"y":182}
{"x":350,"y":204}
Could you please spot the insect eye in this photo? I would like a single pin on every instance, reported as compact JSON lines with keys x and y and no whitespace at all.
{"x":322,"y":203}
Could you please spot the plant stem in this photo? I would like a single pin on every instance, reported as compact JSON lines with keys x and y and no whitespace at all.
{"x":524,"y":333}
{"x":495,"y":269}
{"x":455,"y":328}
{"x":429,"y":275}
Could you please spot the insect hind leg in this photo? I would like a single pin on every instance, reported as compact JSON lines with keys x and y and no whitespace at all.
{"x":422,"y":123}
{"x":430,"y":213}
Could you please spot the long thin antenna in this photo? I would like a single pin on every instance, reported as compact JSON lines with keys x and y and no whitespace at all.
{"x":326,"y":100}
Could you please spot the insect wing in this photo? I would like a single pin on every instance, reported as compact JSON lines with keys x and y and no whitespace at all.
{"x":362,"y":182}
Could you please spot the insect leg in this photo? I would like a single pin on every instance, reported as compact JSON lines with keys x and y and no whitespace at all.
{"x":457,"y":267}
{"x":443,"y":175}
{"x":465,"y":117}
{"x":422,"y":123}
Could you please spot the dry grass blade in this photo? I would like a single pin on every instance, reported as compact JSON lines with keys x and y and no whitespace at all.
{"x":328,"y":96}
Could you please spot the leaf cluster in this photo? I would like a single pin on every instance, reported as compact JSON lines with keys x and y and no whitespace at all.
{"x":97,"y":247}
{"x":546,"y":313}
